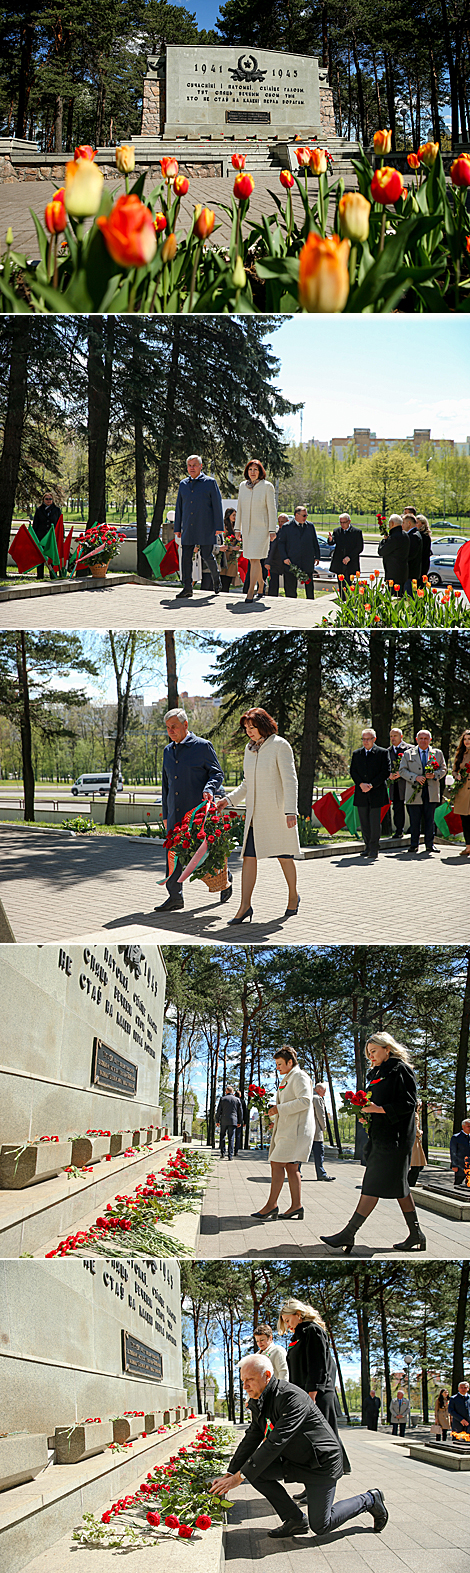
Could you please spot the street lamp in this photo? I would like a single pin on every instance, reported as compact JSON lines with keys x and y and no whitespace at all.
{"x":407,"y":1362}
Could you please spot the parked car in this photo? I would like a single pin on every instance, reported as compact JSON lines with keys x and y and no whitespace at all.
{"x":326,"y":548}
{"x":441,"y":569}
{"x":444,"y":543}
{"x":99,"y":783}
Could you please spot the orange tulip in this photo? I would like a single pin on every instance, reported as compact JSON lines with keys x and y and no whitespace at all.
{"x":238,"y":160}
{"x":318,"y":160}
{"x":125,"y":158}
{"x":460,"y":171}
{"x":243,"y":186}
{"x":180,"y":185}
{"x":303,"y":156}
{"x":387,"y":185}
{"x":286,"y":179}
{"x":468,"y":244}
{"x":55,"y":213}
{"x":83,"y":187}
{"x":382,"y":142}
{"x":85,"y":151}
{"x":129,"y":232}
{"x":169,"y":168}
{"x":169,"y":248}
{"x":204,"y":222}
{"x":160,"y":222}
{"x":323,"y":273}
{"x":413,"y":160}
{"x":427,"y":153}
{"x":354,"y":215}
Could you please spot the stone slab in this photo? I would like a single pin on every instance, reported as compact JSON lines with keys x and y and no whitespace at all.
{"x":34,"y":1221}
{"x":21,"y":1458}
{"x":426,"y":1455}
{"x":34,"y":1164}
{"x":83,"y":1441}
{"x":222,"y":88}
{"x":21,"y":592}
{"x":447,"y":1206}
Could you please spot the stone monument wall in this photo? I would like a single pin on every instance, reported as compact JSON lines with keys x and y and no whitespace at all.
{"x":81,"y":1039}
{"x":221,"y":90}
{"x":69,"y":1328}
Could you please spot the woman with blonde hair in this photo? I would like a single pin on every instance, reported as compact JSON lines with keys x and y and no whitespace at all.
{"x":426,"y":545}
{"x":391,"y":1119}
{"x":310,"y":1361}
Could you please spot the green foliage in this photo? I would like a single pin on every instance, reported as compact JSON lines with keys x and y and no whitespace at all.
{"x":81,"y":825}
{"x":367,"y":604}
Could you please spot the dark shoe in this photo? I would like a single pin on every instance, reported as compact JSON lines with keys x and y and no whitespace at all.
{"x":416,"y":1239}
{"x":346,"y":1236}
{"x":273,"y":1214}
{"x":412,"y":850}
{"x":292,"y":1526}
{"x":379,"y":1511}
{"x":228,"y":892}
{"x":298,"y":1212}
{"x":174,"y":904}
{"x":290,"y":912}
{"x":429,"y":850}
{"x":397,"y":835}
{"x":328,"y":1177}
{"x":248,"y":914}
{"x":364,"y":854}
{"x":300,"y":1496}
{"x":217,"y":587}
{"x":184,"y":595}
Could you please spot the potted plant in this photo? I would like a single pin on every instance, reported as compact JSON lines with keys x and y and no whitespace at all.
{"x":99,"y":544}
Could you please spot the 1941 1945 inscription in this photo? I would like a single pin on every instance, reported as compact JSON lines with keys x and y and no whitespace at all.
{"x":208,"y":88}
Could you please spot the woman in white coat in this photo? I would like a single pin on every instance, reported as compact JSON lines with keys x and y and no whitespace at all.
{"x":293,"y":1122}
{"x":256,"y":521}
{"x":270,"y":788}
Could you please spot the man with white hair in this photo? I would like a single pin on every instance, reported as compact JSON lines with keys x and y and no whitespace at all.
{"x":459,"y":1408}
{"x":191,"y":774}
{"x":199,"y":518}
{"x":396,"y":783}
{"x":349,"y":543}
{"x":394,"y":551}
{"x":370,"y":770}
{"x":317,"y":1153}
{"x":289,"y":1439}
{"x":422,"y":768}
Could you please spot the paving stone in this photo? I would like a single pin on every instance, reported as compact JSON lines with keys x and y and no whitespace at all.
{"x":149,"y":606}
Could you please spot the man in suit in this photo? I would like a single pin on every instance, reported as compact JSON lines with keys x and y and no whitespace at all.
{"x":349,"y":543}
{"x":273,"y":561}
{"x":415,"y":548}
{"x":372,"y":1411}
{"x":459,"y":1151}
{"x":399,"y":1413}
{"x":317,"y":1152}
{"x":245,"y":1120}
{"x":297,"y":543}
{"x":199,"y":518}
{"x":397,"y":785}
{"x":459,"y":1408}
{"x":191,"y":774}
{"x":370,"y":770}
{"x":289,"y":1439}
{"x":394,"y":551}
{"x":422,"y":768}
{"x":229,"y":1116}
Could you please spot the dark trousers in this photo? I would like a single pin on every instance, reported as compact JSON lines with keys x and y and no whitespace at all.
{"x":40,"y":571}
{"x":466,"y":828}
{"x":230,"y":1132}
{"x":173,"y":888}
{"x":239,"y":1137}
{"x":373,"y":1423}
{"x":290,"y":586}
{"x":399,"y":1426}
{"x":212,"y":576}
{"x":273,"y":584}
{"x":369,"y":816}
{"x":320,"y":1488}
{"x":415,"y":811}
{"x":398,"y":808}
{"x":317,"y":1153}
{"x":226,"y":582}
{"x":460,"y":1177}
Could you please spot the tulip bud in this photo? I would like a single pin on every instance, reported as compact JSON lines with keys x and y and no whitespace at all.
{"x":204,"y":222}
{"x":125,"y":158}
{"x":129,"y":232}
{"x":238,"y":160}
{"x":242,"y":187}
{"x":83,"y":188}
{"x":460,"y":171}
{"x":9,"y":236}
{"x":169,"y":248}
{"x":427,"y":154}
{"x":180,"y":185}
{"x":382,"y":142}
{"x":303,"y":156}
{"x":318,"y":160}
{"x":239,"y":275}
{"x":286,"y":179}
{"x":354,"y":212}
{"x":323,"y":274}
{"x":55,"y":216}
{"x":413,"y":160}
{"x":85,"y":151}
{"x":387,"y":185}
{"x":160,"y":223}
{"x":169,"y":168}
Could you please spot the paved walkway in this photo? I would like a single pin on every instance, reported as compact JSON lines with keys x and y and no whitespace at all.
{"x":54,"y":887}
{"x":240,"y":1188}
{"x":427,"y":1530}
{"x":150,"y":606}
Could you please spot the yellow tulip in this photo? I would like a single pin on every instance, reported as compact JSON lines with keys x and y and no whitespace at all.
{"x":83,"y":188}
{"x":354,"y":215}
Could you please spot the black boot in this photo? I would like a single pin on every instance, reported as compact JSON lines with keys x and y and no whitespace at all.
{"x":416,"y":1239}
{"x":347,"y":1236}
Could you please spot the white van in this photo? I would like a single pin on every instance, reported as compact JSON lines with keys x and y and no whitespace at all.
{"x":100,"y":783}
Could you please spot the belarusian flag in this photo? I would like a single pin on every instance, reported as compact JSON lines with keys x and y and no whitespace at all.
{"x":154,"y":554}
{"x":447,"y":822}
{"x":329,"y":813}
{"x":25,"y":550}
{"x":170,"y":562}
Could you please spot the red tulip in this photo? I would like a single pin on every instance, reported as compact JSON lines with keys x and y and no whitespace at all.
{"x":55,"y":214}
{"x":204,"y":222}
{"x":129,"y":232}
{"x":387,"y":185}
{"x":169,"y":248}
{"x":303,"y":156}
{"x":382,"y":141}
{"x":85,"y":151}
{"x":460,"y":171}
{"x":180,"y":185}
{"x":169,"y":168}
{"x":242,"y":187}
{"x":413,"y":160}
{"x":238,"y":160}
{"x":286,"y":179}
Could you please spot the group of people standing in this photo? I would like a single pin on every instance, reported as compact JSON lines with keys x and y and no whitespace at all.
{"x":406,"y":550}
{"x":407,"y":774}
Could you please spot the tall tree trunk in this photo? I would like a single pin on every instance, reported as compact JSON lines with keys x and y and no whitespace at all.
{"x":452,"y":649}
{"x":454,"y":96}
{"x":360,"y":91}
{"x":140,"y":502}
{"x":415,"y":683}
{"x":377,"y":654}
{"x":424,"y":1372}
{"x":460,"y":1100}
{"x":390,"y":86}
{"x":383,"y":1324}
{"x":309,"y":746}
{"x":69,"y":127}
{"x":377,"y":88}
{"x":361,"y":1291}
{"x":458,"y":1372}
{"x":58,"y":123}
{"x":24,"y":84}
{"x":20,"y":329}
{"x":123,"y":700}
{"x":100,"y":353}
{"x":171,"y":673}
{"x":344,"y":1400}
{"x":25,"y":727}
{"x":168,"y":429}
{"x":324,"y":33}
{"x":197,"y":1371}
{"x":433,"y":83}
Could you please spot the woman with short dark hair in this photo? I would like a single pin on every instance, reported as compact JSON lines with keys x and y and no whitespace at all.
{"x":293,"y":1123}
{"x":256,"y":522}
{"x":231,"y":553}
{"x":269,"y":787}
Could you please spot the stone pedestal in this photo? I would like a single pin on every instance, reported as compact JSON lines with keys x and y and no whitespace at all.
{"x":153,"y":107}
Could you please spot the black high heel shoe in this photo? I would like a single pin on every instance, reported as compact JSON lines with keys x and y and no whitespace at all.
{"x":297,"y":1213}
{"x":291,"y":912}
{"x":248,"y":914}
{"x":273,"y":1214}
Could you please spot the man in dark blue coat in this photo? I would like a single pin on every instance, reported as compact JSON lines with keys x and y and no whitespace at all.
{"x":459,"y":1408}
{"x":199,"y":517}
{"x":191,"y":773}
{"x":370,"y":770}
{"x":289,"y":1439}
{"x":297,"y":544}
{"x":459,"y":1152}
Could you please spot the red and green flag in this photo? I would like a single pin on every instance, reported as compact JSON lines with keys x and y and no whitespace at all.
{"x":447,"y":822}
{"x":154,"y":553}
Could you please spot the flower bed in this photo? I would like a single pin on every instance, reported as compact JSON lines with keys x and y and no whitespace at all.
{"x":370,"y":602}
{"x":172,"y":1502}
{"x":388,"y":244}
{"x":129,"y":1225}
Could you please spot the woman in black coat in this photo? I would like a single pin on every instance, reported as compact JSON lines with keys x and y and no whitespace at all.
{"x":46,"y":514}
{"x":426,"y":545}
{"x":310,"y":1361}
{"x":391,"y":1118}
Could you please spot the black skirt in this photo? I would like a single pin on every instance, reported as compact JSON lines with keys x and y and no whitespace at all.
{"x":250,"y":849}
{"x":391,"y":1135}
{"x":312,"y":1367}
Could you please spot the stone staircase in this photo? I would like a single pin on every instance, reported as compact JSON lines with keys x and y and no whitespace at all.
{"x":213,"y":155}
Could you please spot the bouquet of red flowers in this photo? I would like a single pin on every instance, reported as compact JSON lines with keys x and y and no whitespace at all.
{"x":100,"y":543}
{"x":205,"y":823}
{"x":358,"y":1101}
{"x":432,"y":765}
{"x":259,"y":1099}
{"x":459,"y":780}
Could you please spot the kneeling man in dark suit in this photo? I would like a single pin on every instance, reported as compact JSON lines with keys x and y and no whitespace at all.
{"x":370,"y":769}
{"x":289,"y":1439}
